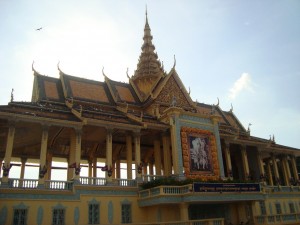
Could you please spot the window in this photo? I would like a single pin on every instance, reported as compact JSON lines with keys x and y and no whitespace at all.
{"x":58,"y":217}
{"x":292,"y":207}
{"x":20,"y":216}
{"x":278,"y":208}
{"x":262,"y":208}
{"x":94,"y":213}
{"x":126,"y":213}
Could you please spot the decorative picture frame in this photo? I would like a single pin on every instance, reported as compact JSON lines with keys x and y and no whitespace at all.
{"x":199,"y":151}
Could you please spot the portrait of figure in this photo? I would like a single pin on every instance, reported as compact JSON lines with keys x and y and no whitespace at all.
{"x":199,"y":154}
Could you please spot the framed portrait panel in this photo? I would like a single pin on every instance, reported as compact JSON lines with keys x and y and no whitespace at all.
{"x":199,"y":152}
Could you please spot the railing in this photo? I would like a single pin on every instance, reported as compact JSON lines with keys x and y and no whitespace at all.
{"x":287,"y":189}
{"x":166,"y":190}
{"x":97,"y":181}
{"x":215,"y":221}
{"x":23,"y":183}
{"x":58,"y":185}
{"x":278,"y":219}
{"x":33,"y":184}
{"x":124,"y":182}
{"x":147,"y":178}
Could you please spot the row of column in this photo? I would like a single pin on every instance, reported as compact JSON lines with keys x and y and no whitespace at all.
{"x":132,"y":141}
{"x":74,"y":155}
{"x":289,"y":177}
{"x":150,"y":162}
{"x":284,"y":160}
{"x":43,"y":155}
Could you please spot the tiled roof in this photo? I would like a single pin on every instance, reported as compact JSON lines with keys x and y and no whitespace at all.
{"x":49,"y":88}
{"x":123,"y":92}
{"x":86,"y":90}
{"x":36,"y":109}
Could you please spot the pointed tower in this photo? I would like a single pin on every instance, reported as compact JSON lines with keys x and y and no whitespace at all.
{"x":149,"y":69}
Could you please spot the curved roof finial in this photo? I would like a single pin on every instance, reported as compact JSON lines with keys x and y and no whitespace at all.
{"x":127,"y":73}
{"x":174,"y":62}
{"x":218,"y":102}
{"x":231,"y":109}
{"x":249,"y":127}
{"x":103,"y":72}
{"x":32,"y":66}
{"x":58,"y":66}
{"x":12,"y":97}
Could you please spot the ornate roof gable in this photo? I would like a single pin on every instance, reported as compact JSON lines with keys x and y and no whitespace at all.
{"x":171,"y":92}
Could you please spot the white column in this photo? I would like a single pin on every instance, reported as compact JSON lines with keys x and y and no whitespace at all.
{"x":118,"y":168}
{"x":109,"y":154}
{"x":286,"y":170}
{"x":270,"y":175}
{"x":77,"y":153}
{"x":157,"y":157}
{"x":245,"y":162}
{"x":49,"y":165}
{"x":22,"y":172}
{"x":294,"y":168}
{"x":137,"y":150}
{"x":275,"y":167}
{"x":228,"y":160}
{"x":167,"y":155}
{"x":129,"y":156}
{"x":43,"y":154}
{"x":260,"y":164}
{"x":8,"y":152}
{"x":94,"y":166}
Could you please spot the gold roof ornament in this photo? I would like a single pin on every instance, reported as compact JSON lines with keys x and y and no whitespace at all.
{"x":12,"y":95}
{"x":174,"y":62}
{"x":231,"y":109}
{"x":149,"y":69}
{"x":103,"y":72}
{"x":58,"y":66}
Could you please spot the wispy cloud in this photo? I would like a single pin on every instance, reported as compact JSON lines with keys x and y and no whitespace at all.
{"x":243,"y":83}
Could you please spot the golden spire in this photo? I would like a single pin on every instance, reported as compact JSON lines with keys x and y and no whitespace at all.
{"x":149,"y":69}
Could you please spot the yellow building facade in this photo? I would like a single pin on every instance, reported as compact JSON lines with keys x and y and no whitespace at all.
{"x":185,"y":162}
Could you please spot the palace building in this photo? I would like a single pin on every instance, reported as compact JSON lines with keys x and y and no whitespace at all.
{"x":152,"y":155}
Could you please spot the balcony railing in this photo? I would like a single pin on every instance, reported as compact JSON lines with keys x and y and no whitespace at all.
{"x":23,"y":183}
{"x":58,"y":185}
{"x":270,"y":189}
{"x":215,"y":221}
{"x":67,"y":185}
{"x":147,"y":178}
{"x":97,"y":181}
{"x":278,"y":219}
{"x":166,"y":190}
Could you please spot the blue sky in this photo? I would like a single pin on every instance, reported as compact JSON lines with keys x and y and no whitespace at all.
{"x":246,"y":53}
